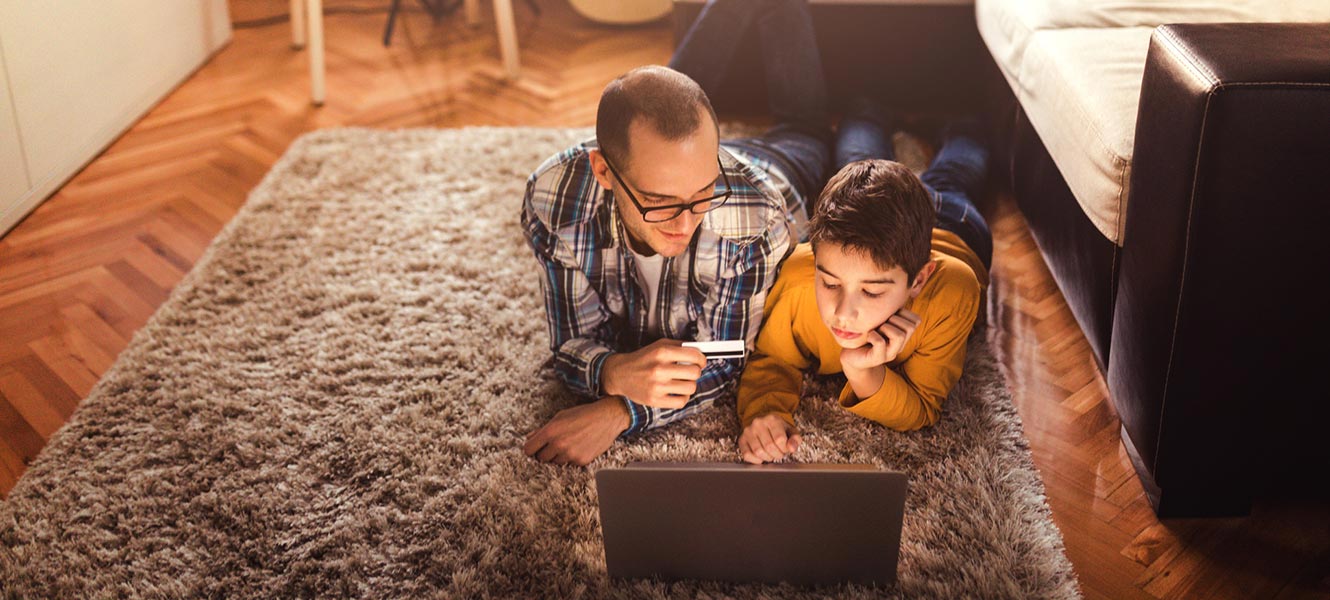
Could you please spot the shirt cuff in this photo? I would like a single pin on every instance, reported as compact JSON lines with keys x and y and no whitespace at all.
{"x":639,"y":416}
{"x":593,"y":372}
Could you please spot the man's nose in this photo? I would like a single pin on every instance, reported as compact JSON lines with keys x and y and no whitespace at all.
{"x":687,"y":220}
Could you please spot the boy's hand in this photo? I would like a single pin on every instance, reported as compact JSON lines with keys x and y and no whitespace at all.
{"x":768,"y":439}
{"x":662,"y":374}
{"x":884,"y":344}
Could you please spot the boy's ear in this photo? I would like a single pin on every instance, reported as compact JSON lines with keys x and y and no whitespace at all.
{"x":600,"y":169}
{"x":922,"y":277}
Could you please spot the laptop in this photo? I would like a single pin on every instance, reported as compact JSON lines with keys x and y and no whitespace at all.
{"x":804,"y":524}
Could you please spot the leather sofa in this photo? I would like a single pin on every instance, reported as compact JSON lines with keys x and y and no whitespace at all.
{"x":1177,"y":181}
{"x":1176,"y":178}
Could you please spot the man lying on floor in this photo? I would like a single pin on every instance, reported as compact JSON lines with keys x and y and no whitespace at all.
{"x":655,"y":232}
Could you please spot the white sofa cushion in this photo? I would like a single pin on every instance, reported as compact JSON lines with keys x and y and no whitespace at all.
{"x":1006,"y":25}
{"x":1085,"y":111}
{"x":1076,"y":67}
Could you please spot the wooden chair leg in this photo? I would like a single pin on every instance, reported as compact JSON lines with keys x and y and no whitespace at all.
{"x":316,"y":67}
{"x":297,"y":24}
{"x":503,"y":16}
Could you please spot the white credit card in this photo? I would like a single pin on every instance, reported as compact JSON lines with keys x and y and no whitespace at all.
{"x":719,"y":350}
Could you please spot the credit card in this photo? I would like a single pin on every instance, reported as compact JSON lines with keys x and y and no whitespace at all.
{"x":719,"y":350}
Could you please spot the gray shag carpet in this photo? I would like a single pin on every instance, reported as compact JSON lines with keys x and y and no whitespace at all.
{"x":332,"y":403}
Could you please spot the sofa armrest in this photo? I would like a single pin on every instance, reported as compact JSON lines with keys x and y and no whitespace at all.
{"x":1218,"y":342}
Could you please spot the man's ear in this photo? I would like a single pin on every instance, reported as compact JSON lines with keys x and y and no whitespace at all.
{"x":922,"y":278}
{"x":600,"y":169}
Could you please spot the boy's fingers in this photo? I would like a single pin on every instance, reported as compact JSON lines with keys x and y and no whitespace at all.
{"x":764,"y":438}
{"x":890,"y":331}
{"x":875,"y":338}
{"x":912,"y":316}
{"x":795,"y":441}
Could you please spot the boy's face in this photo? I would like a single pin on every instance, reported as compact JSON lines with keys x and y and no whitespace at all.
{"x":855,"y":295}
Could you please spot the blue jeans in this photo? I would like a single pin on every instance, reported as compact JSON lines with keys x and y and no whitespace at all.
{"x":800,"y":142}
{"x":956,"y":175}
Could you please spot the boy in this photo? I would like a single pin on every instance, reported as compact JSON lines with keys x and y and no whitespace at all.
{"x":879,"y":293}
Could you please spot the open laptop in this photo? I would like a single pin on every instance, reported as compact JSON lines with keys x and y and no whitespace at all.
{"x":798,"y":523}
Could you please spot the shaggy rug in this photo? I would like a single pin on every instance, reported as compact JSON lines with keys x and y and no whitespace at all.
{"x":333,"y":402}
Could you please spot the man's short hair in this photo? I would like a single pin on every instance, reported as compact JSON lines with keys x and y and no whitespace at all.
{"x":669,"y":101}
{"x":877,"y":207}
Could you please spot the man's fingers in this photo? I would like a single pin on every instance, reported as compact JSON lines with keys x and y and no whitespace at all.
{"x":679,"y":372}
{"x":547,"y":454}
{"x":679,"y":388}
{"x":534,"y":442}
{"x":684,"y":354}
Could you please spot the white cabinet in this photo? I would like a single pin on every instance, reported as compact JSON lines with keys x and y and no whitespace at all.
{"x":81,"y":72}
{"x":13,"y":172}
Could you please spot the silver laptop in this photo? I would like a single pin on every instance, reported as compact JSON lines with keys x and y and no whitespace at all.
{"x":798,"y":523}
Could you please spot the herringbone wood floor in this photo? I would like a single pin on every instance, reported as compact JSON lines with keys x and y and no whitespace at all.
{"x":86,"y":269}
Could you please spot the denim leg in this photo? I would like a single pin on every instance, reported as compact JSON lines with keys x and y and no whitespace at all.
{"x":955,"y":178}
{"x":708,"y":48}
{"x":796,"y":85}
{"x":800,"y":141}
{"x":863,"y":134}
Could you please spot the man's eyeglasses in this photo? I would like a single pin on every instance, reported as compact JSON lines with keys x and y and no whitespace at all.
{"x":660,"y":214}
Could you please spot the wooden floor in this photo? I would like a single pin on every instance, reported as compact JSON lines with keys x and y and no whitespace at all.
{"x":89,"y":266}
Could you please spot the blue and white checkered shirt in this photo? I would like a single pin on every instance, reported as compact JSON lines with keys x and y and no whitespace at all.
{"x":715,"y":290}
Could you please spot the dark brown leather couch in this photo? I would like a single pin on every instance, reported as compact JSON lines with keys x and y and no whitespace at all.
{"x":1209,"y":320}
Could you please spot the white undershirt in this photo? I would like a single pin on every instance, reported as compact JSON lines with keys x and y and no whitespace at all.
{"x":648,"y":275}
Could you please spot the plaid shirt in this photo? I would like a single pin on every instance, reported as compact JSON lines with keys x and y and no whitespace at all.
{"x":715,"y":290}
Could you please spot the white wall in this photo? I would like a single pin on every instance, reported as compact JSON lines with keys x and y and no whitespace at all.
{"x":81,"y":72}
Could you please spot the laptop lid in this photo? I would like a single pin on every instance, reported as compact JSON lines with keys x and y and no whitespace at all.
{"x":799,"y":523}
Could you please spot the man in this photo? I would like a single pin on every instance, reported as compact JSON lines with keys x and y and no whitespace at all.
{"x":655,"y":233}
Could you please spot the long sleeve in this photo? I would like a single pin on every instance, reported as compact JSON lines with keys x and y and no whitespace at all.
{"x":772,"y":379}
{"x":911,"y":395}
{"x":576,"y":319}
{"x":732,"y":310}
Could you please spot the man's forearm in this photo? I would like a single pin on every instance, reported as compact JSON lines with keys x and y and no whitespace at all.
{"x":866,"y":382}
{"x":609,"y":367}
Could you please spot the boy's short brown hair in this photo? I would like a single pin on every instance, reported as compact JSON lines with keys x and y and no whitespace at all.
{"x":880,"y":208}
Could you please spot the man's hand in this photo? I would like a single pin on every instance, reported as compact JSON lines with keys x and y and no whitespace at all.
{"x":884,"y":343}
{"x":579,"y":434}
{"x":663,"y":374}
{"x":768,"y":438}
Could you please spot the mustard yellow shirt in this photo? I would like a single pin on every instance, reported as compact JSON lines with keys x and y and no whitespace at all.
{"x":793,"y":339}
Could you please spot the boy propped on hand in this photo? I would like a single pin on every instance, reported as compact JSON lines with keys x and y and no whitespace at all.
{"x":886,"y":292}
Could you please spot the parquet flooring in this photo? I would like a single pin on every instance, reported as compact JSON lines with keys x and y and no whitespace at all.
{"x":82,"y":273}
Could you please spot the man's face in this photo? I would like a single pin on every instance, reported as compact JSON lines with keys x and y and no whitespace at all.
{"x":855,"y":296}
{"x":661,"y":172}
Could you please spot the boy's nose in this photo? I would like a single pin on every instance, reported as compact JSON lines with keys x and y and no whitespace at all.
{"x":845,"y":311}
